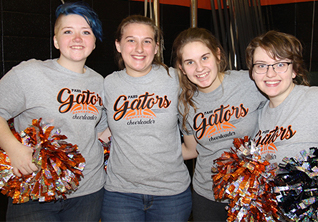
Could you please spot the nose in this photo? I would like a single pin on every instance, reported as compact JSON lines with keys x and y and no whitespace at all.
{"x":77,"y":37}
{"x":139,"y":47}
{"x":270,"y":72}
{"x":199,"y":67}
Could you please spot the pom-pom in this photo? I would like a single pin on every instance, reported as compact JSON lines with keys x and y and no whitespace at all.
{"x":246,"y":181}
{"x":60,"y":166}
{"x":106,"y":148}
{"x":296,"y":186}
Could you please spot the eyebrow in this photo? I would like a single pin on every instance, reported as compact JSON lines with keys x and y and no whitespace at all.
{"x":277,"y":61}
{"x":71,"y":27}
{"x":208,"y":53}
{"x":135,"y":37}
{"x":259,"y":61}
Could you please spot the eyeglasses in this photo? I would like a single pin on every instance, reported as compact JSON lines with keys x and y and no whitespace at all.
{"x":280,"y":67}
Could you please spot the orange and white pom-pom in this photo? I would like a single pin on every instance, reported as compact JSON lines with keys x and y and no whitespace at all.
{"x":60,"y":166}
{"x":246,"y":181}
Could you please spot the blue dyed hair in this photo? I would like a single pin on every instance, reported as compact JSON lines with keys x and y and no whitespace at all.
{"x":82,"y":9}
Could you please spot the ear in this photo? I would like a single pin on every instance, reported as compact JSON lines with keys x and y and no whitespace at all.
{"x":56,"y":45}
{"x":117,"y":44}
{"x":252,"y":77}
{"x":294,"y":75}
{"x":219,"y":54}
{"x":157,"y":48}
{"x":180,"y":67}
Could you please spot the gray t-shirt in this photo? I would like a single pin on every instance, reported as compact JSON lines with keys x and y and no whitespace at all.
{"x":70,"y":101}
{"x":145,"y":155}
{"x":289,"y":128}
{"x":228,"y":112}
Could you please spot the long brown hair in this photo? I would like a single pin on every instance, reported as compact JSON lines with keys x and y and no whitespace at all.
{"x":158,"y":37}
{"x":188,"y":88}
{"x":280,"y":45}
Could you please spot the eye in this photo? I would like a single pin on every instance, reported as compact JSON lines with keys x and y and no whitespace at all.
{"x":87,"y":32}
{"x":148,"y":41}
{"x":130,"y":40}
{"x":281,"y":64}
{"x":67,"y":32}
{"x":261,"y":66}
{"x":189,"y":62}
{"x":205,"y":58}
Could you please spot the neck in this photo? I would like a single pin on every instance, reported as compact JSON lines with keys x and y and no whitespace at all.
{"x":277,"y":100}
{"x":77,"y":67}
{"x":214,"y":85}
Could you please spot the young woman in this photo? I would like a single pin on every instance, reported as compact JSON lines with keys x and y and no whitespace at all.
{"x":44,"y":89}
{"x":147,"y":179}
{"x":216,"y":106}
{"x":288,"y":119}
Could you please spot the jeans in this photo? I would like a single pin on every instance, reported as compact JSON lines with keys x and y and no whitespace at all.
{"x":84,"y":208}
{"x":140,"y":207}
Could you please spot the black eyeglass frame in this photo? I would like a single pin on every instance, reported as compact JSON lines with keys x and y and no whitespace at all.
{"x":272,"y":65}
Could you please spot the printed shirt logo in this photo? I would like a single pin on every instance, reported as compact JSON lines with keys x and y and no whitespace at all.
{"x":219,"y":128}
{"x":139,"y":107}
{"x":209,"y":124}
{"x":139,"y":113}
{"x":266,"y":139}
{"x":80,"y":103}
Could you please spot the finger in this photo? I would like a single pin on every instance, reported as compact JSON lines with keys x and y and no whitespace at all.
{"x":26,"y":171}
{"x":16,"y":172}
{"x":33,"y":167}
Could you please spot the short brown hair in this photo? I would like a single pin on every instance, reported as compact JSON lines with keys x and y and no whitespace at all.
{"x":280,"y":45}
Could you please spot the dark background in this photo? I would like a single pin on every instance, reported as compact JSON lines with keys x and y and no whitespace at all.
{"x":27,"y":31}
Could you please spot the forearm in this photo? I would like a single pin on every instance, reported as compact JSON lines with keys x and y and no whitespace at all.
{"x":189,"y":150}
{"x":7,"y":139}
{"x":19,"y":154}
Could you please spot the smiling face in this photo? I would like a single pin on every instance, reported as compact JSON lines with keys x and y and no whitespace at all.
{"x":276,"y":86}
{"x":75,"y":40}
{"x":138,"y":48}
{"x":200,"y":66}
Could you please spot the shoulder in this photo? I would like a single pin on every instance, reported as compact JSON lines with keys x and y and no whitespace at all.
{"x":238,"y":75}
{"x":302,"y":96}
{"x":308,"y":92}
{"x":162,"y":74}
{"x":113,"y":77}
{"x":173,"y":72}
{"x":114,"y":74}
{"x":239,"y":82}
{"x":30,"y":64}
{"x":26,"y":68}
{"x":163,"y":70}
{"x":94,"y":73}
{"x":240,"y":78}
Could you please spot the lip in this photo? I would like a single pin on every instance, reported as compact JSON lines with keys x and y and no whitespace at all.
{"x":77,"y":47}
{"x":138,"y":57}
{"x":202,"y":75}
{"x":272,"y":83}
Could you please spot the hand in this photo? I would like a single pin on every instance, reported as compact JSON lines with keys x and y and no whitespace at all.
{"x":21,"y":160}
{"x":105,"y":135}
